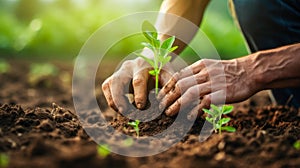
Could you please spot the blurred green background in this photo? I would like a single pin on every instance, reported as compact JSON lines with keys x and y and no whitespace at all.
{"x":58,"y":28}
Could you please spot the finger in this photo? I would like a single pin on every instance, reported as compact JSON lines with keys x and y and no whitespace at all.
{"x":192,"y":95}
{"x":216,"y":98}
{"x":181,"y":86}
{"x":120,"y":83}
{"x":107,"y":94}
{"x":139,"y":82}
{"x":188,"y":71}
{"x":171,"y":83}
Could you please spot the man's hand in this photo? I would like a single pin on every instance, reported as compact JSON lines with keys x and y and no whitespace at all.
{"x":230,"y":79}
{"x":136,"y":71}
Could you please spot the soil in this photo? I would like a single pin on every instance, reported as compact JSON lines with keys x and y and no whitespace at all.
{"x":39,"y":128}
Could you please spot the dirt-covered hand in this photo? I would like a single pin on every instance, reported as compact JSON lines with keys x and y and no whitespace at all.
{"x":118,"y":85}
{"x":199,"y":82}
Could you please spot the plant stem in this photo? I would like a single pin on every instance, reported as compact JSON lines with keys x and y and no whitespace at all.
{"x":220,"y":124}
{"x":156,"y":82}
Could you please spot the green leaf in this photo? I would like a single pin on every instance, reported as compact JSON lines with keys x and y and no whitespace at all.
{"x":147,"y":27}
{"x":150,"y":33}
{"x":4,"y":67}
{"x":149,"y":37}
{"x":163,"y":53}
{"x":4,"y":160}
{"x":208,"y":111}
{"x":103,"y":150}
{"x":224,"y":121}
{"x":156,"y":43}
{"x":150,"y":61}
{"x":128,"y":142}
{"x":173,"y":48}
{"x":226,"y":109}
{"x":133,"y":124}
{"x":216,"y":108}
{"x":297,"y":145}
{"x":167,"y":44}
{"x":218,"y":125}
{"x":152,"y":72}
{"x":166,"y":60}
{"x":209,"y":119}
{"x":148,"y":45}
{"x":228,"y":129}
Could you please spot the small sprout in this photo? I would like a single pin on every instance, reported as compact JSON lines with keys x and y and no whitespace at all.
{"x":297,"y":145}
{"x":103,"y":150}
{"x":215,"y":118}
{"x":4,"y":160}
{"x":160,"y":49}
{"x":4,"y":67}
{"x":38,"y":72}
{"x":128,"y":142}
{"x":135,"y":125}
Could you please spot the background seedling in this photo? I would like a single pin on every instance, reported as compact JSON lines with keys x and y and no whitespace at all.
{"x":4,"y":160}
{"x":103,"y":150}
{"x":40,"y":71}
{"x":297,"y":145}
{"x":135,"y":125}
{"x":160,"y":49}
{"x":127,"y":142}
{"x":4,"y":67}
{"x":215,"y":118}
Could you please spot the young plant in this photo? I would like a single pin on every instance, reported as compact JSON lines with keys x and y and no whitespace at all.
{"x":135,"y":125}
{"x":103,"y":150}
{"x":297,"y":145}
{"x":160,"y":49}
{"x":38,"y":72}
{"x":4,"y":160}
{"x":215,"y":118}
{"x":4,"y":67}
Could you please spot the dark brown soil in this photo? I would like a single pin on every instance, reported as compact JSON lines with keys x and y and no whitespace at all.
{"x":39,"y":128}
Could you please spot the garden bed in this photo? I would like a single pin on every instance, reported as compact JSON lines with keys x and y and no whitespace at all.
{"x":39,"y":128}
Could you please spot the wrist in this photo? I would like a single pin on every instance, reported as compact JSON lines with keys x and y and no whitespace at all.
{"x":255,"y":68}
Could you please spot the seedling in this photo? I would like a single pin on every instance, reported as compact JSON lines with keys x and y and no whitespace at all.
{"x":40,"y":71}
{"x":160,"y":49}
{"x":4,"y":160}
{"x":127,"y":142}
{"x":135,"y":125}
{"x":297,"y":145}
{"x":103,"y":150}
{"x":215,"y":118}
{"x":4,"y":67}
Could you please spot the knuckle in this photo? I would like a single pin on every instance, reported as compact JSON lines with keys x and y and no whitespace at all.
{"x":203,"y":76}
{"x":138,"y":82}
{"x":191,"y":93}
{"x":176,"y":76}
{"x":206,"y":101}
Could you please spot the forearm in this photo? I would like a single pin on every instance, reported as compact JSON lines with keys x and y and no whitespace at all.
{"x":276,"y":68}
{"x":192,"y":10}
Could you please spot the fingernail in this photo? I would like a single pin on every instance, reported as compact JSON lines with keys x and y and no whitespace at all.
{"x":168,"y":112}
{"x":121,"y":109}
